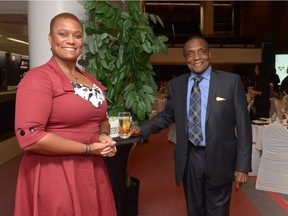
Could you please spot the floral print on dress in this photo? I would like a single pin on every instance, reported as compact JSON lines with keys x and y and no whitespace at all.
{"x":94,"y":95}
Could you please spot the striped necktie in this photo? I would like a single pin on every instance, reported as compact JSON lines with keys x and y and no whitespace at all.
{"x":194,"y":122}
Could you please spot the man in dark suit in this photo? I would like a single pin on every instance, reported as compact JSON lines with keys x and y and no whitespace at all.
{"x":208,"y":169}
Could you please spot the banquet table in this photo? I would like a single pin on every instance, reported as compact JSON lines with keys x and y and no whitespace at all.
{"x":257,"y":130}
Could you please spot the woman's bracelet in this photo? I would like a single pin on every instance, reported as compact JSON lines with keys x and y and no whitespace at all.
{"x":87,"y":150}
{"x":104,"y":132}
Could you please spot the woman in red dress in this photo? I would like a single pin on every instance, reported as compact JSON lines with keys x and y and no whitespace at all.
{"x":61,"y":123}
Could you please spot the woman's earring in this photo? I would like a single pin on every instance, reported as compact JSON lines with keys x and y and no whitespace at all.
{"x":83,"y":61}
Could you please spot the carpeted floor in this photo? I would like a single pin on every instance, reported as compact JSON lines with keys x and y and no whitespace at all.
{"x":152,"y":164}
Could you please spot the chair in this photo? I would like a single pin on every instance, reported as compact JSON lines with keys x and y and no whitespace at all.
{"x":285,"y":103}
{"x":255,"y":160}
{"x":273,"y":172}
{"x":250,"y":105}
{"x":275,"y":106}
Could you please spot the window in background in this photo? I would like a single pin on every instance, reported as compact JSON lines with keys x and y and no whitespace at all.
{"x":281,"y":65}
{"x":181,"y":19}
{"x":223,"y":17}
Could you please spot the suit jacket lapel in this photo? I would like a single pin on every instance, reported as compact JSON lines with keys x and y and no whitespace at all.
{"x":184,"y":92}
{"x":214,"y":83}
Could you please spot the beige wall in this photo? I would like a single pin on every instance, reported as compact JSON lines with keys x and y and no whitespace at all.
{"x":218,"y":56}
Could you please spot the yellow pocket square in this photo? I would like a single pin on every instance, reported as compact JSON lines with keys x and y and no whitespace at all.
{"x":220,"y":99}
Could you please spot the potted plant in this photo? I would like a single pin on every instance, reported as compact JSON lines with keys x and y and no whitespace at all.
{"x":119,"y":43}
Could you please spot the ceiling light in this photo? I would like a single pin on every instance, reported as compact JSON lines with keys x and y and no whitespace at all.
{"x":18,"y":41}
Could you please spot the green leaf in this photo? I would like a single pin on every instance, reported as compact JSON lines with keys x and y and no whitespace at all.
{"x":125,"y":15}
{"x":101,"y":54}
{"x":153,"y":18}
{"x":103,"y":36}
{"x":160,"y":21}
{"x":104,"y":64}
{"x":100,"y":7}
{"x":149,"y":66}
{"x":120,"y":54}
{"x":108,"y":12}
{"x":146,"y":47}
{"x":115,"y":80}
{"x":163,"y":38}
{"x":135,"y":15}
{"x":143,"y":36}
{"x":141,"y":112}
{"x":129,"y":87}
{"x":148,"y":104}
{"x":134,"y":6}
{"x":92,"y":47}
{"x":148,"y":89}
{"x":127,"y":24}
{"x":90,"y":5}
{"x":164,"y":48}
{"x":130,"y":98}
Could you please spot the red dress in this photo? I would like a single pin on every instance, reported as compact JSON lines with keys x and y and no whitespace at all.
{"x":59,"y":185}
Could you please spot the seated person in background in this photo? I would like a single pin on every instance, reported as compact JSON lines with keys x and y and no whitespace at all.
{"x":273,"y":93}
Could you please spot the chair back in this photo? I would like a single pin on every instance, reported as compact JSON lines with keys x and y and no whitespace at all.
{"x":250,"y":105}
{"x":275,"y":106}
{"x":273,"y":167}
{"x":285,"y":103}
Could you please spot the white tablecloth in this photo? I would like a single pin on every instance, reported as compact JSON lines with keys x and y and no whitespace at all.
{"x":257,"y":131}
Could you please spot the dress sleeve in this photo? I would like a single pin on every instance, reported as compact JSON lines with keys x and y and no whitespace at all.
{"x":33,"y":106}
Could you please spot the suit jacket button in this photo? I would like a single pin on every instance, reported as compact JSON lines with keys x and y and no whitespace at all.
{"x":22,"y":132}
{"x":31,"y":129}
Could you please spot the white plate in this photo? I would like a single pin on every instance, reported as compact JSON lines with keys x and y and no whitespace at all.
{"x":260,"y":122}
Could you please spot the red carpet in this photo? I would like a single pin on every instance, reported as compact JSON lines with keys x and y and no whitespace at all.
{"x":280,"y":200}
{"x":152,"y":163}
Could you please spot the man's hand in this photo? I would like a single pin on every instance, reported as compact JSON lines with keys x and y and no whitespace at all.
{"x":135,"y":130}
{"x":240,"y":179}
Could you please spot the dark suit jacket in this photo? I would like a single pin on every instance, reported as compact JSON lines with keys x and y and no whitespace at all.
{"x":227,"y":115}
